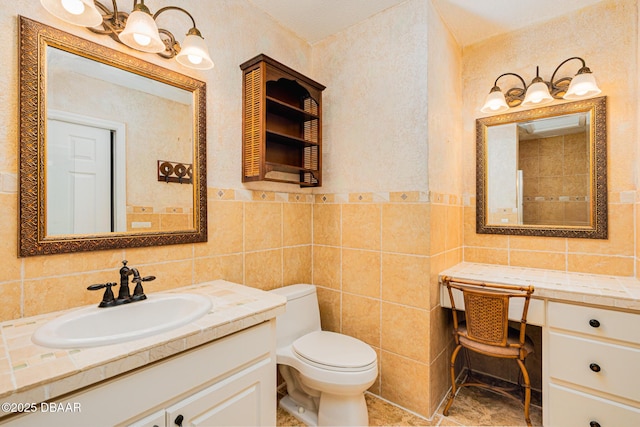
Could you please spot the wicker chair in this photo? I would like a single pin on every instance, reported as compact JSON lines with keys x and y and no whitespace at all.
{"x":486,"y":330}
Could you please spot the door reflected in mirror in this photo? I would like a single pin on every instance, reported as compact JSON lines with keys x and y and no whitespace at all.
{"x":543,"y":171}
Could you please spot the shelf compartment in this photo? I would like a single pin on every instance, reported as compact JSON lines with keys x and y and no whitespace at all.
{"x":282,"y":138}
{"x":281,"y":108}
{"x":280,"y":167}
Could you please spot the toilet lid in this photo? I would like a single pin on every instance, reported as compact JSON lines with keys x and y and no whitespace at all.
{"x":334,"y":350}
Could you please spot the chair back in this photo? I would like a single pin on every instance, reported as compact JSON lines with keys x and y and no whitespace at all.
{"x":486,"y":307}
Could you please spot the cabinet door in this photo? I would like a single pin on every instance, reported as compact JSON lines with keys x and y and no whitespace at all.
{"x":239,"y":400}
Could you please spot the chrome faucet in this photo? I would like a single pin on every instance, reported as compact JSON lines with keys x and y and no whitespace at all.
{"x":124,"y":295}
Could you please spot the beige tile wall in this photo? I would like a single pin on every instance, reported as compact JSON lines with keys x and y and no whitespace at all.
{"x":375,"y":260}
{"x":636,"y":217}
{"x":169,"y":219}
{"x":556,"y":180}
{"x":615,"y":255}
{"x":261,"y":239}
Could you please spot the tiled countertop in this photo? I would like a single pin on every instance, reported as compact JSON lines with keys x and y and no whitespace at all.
{"x":31,"y":373}
{"x":608,"y":291}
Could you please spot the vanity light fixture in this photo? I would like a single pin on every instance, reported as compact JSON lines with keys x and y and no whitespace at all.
{"x":540,"y":92}
{"x":138,"y":30}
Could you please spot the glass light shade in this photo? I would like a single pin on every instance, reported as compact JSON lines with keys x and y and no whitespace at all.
{"x":141,"y":33}
{"x":76,"y":12}
{"x":537,"y":94}
{"x":582,"y":86}
{"x":194,"y":53}
{"x":495,"y":102}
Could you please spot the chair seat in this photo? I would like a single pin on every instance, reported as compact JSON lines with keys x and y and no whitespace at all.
{"x":507,"y":352}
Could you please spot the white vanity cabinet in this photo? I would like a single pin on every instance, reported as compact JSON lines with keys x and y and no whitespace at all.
{"x":593,"y":366}
{"x":229,"y":381}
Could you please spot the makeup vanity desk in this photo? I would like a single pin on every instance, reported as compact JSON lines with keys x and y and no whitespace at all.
{"x":590,"y":341}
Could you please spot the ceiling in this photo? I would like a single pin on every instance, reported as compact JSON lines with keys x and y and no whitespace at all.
{"x":470,"y":21}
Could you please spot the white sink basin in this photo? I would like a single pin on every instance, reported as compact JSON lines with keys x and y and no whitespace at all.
{"x":93,"y":326}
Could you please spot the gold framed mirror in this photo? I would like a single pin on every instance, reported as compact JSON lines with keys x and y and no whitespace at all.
{"x":543,"y":172}
{"x":100,"y":133}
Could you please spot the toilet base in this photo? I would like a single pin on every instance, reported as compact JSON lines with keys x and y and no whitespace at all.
{"x":334,"y":411}
{"x":303,"y":415}
{"x":343,"y":410}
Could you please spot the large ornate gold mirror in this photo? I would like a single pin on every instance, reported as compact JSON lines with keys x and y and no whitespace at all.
{"x":112,"y":148}
{"x":543,"y":172}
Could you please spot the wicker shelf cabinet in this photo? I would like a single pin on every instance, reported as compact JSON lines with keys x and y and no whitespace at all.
{"x":281,"y":124}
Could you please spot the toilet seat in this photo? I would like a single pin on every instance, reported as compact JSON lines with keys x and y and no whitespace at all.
{"x":335,"y":352}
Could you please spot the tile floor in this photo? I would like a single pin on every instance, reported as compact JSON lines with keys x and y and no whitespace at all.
{"x":473,"y":407}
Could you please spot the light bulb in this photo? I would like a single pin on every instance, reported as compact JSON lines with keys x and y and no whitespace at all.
{"x":141,"y":39}
{"x":195,"y":59}
{"x":75,"y":7}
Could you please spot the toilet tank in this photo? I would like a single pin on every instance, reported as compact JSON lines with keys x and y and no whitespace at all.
{"x":302,"y":315}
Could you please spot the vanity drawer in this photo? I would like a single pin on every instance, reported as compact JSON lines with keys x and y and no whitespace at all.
{"x":606,"y":367}
{"x":595,"y":321}
{"x":571,"y":408}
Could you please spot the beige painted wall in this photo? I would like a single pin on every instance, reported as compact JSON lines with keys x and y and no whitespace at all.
{"x":605,"y":35}
{"x":374,"y":107}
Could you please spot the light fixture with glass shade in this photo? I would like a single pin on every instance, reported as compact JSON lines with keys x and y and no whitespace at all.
{"x":76,"y":12}
{"x":138,"y":30}
{"x":499,"y":102}
{"x":540,"y":92}
{"x":537,"y":93}
{"x":141,"y":32}
{"x":583,"y":85}
{"x":194,"y":51}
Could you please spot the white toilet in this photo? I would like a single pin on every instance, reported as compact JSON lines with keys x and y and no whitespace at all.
{"x":326,"y":373}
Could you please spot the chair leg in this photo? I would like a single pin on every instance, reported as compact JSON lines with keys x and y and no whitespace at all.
{"x":467,"y":359}
{"x":452,"y":370}
{"x":527,"y":390}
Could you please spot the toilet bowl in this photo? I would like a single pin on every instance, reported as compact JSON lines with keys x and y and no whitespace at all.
{"x":326,"y":373}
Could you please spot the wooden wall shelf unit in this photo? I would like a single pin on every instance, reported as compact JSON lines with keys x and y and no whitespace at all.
{"x":281,"y":124}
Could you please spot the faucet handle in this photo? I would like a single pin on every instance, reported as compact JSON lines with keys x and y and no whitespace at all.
{"x":107,"y":299}
{"x":138,"y":292}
